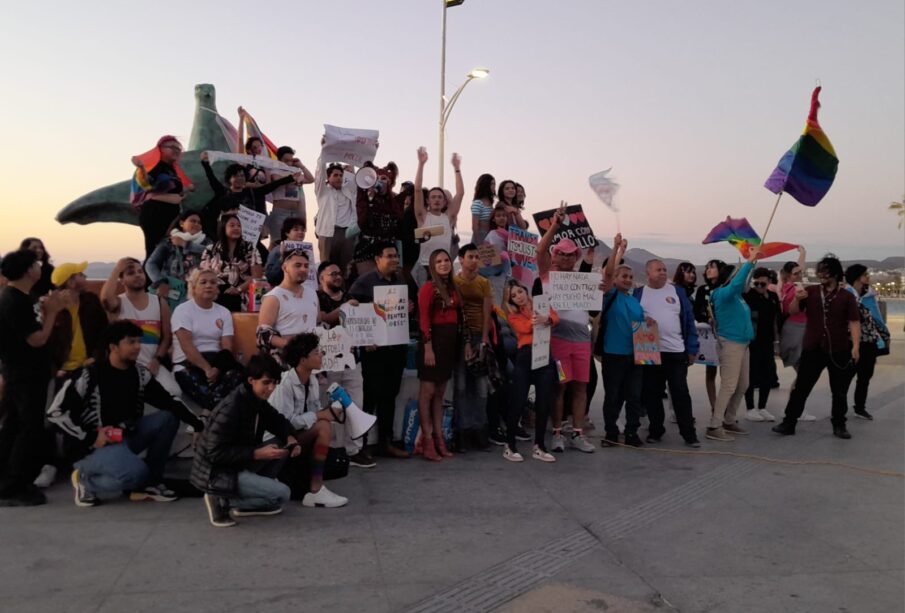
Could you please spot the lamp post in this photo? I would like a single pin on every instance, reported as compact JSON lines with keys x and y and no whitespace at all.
{"x":446,"y":106}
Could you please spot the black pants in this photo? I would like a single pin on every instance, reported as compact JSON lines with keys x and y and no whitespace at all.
{"x":621,"y":384}
{"x":813,"y":362}
{"x":22,"y":433}
{"x":544,"y":380}
{"x":864,"y":371}
{"x":761,"y":372}
{"x":381,"y":370}
{"x":673,"y":372}
{"x":154,"y":218}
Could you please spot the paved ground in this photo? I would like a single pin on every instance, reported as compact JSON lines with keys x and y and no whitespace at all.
{"x":619,"y":530}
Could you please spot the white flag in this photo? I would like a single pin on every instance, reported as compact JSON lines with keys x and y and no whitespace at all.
{"x":604,"y":187}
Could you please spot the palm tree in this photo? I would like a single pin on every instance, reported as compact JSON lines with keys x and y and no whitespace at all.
{"x":899,"y":208}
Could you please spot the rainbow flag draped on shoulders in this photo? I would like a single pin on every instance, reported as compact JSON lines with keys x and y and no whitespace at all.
{"x":807,"y":170}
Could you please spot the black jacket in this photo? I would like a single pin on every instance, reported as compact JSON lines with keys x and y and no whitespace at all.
{"x":227,"y":445}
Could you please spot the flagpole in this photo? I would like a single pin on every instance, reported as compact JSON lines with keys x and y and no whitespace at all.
{"x":763,"y":239}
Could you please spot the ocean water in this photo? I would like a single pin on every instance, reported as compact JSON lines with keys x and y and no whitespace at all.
{"x":895,"y":306}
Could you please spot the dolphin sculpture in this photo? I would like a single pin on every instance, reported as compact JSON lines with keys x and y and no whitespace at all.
{"x":111,"y":203}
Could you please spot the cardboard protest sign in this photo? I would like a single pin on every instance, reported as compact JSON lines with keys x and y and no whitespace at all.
{"x":575,"y":290}
{"x":707,"y":354}
{"x":312,"y":265}
{"x":646,"y":340}
{"x":361,"y":323}
{"x":575,"y":226}
{"x":391,"y":303}
{"x":336,"y":344}
{"x":522,"y":249}
{"x":431,"y":230}
{"x":540,"y":341}
{"x":489,"y":254}
{"x":349,"y":145}
{"x":252,"y":222}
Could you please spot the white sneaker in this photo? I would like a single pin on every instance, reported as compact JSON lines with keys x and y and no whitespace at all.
{"x":754,"y":415}
{"x":543,"y":456}
{"x":558,"y":444}
{"x":807,"y":417}
{"x":581,"y":443}
{"x":767,"y":415}
{"x":512,"y":456}
{"x":324,"y":498}
{"x":47,"y":477}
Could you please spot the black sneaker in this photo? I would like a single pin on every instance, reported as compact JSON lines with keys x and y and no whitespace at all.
{"x":157,"y":493}
{"x":653,"y":439}
{"x":692,"y":442}
{"x":83,"y":498}
{"x":633,"y":440}
{"x":784,"y":429}
{"x":497,"y":437}
{"x":218,"y":511}
{"x":362,"y":459}
{"x":610,"y":441}
{"x":841,"y":432}
{"x":522,"y":435}
{"x":863,"y":414}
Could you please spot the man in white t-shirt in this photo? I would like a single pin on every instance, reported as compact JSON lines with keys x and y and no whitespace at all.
{"x":288,"y":309}
{"x":674,"y":315}
{"x":149,"y":312}
{"x":336,"y":192}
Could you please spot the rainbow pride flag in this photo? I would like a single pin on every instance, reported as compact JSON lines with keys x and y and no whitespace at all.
{"x":252,"y":129}
{"x":740,"y":234}
{"x":807,"y":170}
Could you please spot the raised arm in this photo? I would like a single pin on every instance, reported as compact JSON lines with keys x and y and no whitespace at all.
{"x":452,"y":211}
{"x":420,"y":210}
{"x":544,"y":261}
{"x":109,"y":298}
{"x":619,"y":247}
{"x":212,"y":179}
{"x":240,"y":141}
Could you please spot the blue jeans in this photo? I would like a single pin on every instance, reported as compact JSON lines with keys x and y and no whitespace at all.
{"x":470,"y":397}
{"x":117,"y":467}
{"x":259,"y":492}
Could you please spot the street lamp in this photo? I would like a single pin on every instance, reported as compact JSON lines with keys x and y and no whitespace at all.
{"x":446,"y":106}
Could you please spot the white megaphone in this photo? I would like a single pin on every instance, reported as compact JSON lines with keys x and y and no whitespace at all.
{"x":366,"y":177}
{"x":357,"y":422}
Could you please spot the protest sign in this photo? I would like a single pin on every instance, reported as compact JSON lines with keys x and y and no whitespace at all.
{"x":707,"y":354}
{"x":646,"y":340}
{"x":540,"y":341}
{"x":336,"y":344}
{"x":391,"y":303}
{"x":575,"y":290}
{"x":349,"y":145}
{"x":429,"y":230}
{"x":361,"y":323}
{"x":312,"y":267}
{"x":255,"y":161}
{"x":522,"y":249}
{"x":575,"y":226}
{"x":252,"y":222}
{"x":489,"y":254}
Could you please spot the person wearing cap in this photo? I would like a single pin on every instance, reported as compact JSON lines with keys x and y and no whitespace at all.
{"x":874,"y":334}
{"x":290,"y":308}
{"x":25,"y":328}
{"x":335,"y":190}
{"x":77,"y":333}
{"x":570,"y":339}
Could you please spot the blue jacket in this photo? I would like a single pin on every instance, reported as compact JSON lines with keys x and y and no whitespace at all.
{"x":686,"y":314}
{"x":733,"y":316}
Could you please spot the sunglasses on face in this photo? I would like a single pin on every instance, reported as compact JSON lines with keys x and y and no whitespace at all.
{"x":760,"y":284}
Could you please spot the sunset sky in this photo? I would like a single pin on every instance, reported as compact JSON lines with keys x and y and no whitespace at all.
{"x":692,"y":103}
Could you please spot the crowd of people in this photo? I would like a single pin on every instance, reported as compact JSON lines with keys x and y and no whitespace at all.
{"x":80,"y":366}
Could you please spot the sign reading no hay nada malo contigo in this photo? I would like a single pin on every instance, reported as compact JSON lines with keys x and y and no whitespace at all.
{"x":575,"y":226}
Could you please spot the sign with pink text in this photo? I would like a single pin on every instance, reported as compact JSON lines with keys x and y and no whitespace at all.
{"x":575,"y":226}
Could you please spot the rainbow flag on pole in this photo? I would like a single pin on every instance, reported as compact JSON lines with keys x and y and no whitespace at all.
{"x":807,"y":170}
{"x":252,"y":129}
{"x":740,"y":234}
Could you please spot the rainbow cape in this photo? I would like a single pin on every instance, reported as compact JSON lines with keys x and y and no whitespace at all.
{"x":252,"y":129}
{"x":740,"y":234}
{"x":807,"y":170}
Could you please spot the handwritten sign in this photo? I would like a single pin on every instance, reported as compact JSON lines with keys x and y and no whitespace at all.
{"x":361,"y":323}
{"x":430,"y":231}
{"x":489,"y":254}
{"x":252,"y":222}
{"x":336,"y":344}
{"x":540,"y":341}
{"x":646,"y":339}
{"x":575,"y":226}
{"x":575,"y":290}
{"x":391,"y":303}
{"x":349,"y":145}
{"x":707,"y":354}
{"x":312,"y":267}
{"x":522,"y":248}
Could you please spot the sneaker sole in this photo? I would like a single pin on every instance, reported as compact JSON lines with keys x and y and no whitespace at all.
{"x":549,"y":460}
{"x":359,"y":465}
{"x":321,"y":505}
{"x":500,"y":443}
{"x":143,"y":497}
{"x":727,"y":439}
{"x":513,"y":459}
{"x":226,"y":523}
{"x":241,"y":513}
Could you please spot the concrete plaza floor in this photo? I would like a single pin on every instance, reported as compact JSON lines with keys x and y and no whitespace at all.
{"x":619,"y":530}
